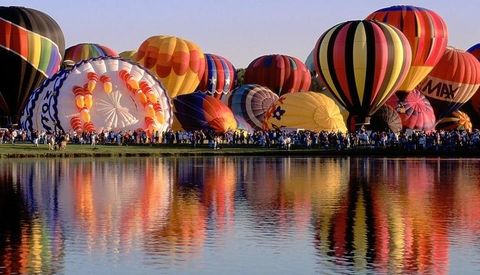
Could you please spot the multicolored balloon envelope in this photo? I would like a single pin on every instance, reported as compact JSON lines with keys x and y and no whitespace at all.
{"x":452,"y":82}
{"x":385,"y":119}
{"x":280,"y":73}
{"x":362,"y":64}
{"x":426,"y":33}
{"x":474,"y":103}
{"x":178,"y":63}
{"x":219,"y":76}
{"x":199,"y":111}
{"x":251,"y":102}
{"x":104,"y":93}
{"x":86,"y":51}
{"x":414,"y":110}
{"x":456,"y":121}
{"x":307,"y":110}
{"x":31,"y":49}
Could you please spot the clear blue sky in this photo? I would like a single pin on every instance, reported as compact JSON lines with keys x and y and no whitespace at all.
{"x":238,"y":30}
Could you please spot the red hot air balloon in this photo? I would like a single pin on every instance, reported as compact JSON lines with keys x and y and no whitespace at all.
{"x":414,"y":110}
{"x":362,"y":63}
{"x":426,"y":33}
{"x":280,"y":73}
{"x":452,"y":82}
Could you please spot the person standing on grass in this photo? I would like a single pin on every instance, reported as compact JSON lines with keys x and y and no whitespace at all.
{"x":35,"y":138}
{"x":93,"y":137}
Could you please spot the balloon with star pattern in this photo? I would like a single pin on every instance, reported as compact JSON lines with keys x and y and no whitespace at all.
{"x":219,"y":77}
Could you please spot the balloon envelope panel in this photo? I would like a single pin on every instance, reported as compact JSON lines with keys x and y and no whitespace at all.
{"x":414,"y":110}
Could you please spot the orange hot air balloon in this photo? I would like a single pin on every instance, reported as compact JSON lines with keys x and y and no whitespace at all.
{"x":452,"y":82}
{"x":178,"y":63}
{"x":426,"y":33}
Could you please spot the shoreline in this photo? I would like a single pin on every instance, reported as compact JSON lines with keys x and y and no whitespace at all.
{"x":9,"y":151}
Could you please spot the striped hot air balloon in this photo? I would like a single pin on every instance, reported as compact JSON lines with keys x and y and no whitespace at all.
{"x":219,"y":77}
{"x":31,"y":49}
{"x":362,"y":63}
{"x":280,"y":73}
{"x":84,"y":51}
{"x":426,"y":33}
{"x":251,"y":102}
{"x":456,"y":121}
{"x":452,"y":82}
{"x":178,"y":63}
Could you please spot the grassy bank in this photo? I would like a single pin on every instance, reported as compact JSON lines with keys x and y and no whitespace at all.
{"x":30,"y":151}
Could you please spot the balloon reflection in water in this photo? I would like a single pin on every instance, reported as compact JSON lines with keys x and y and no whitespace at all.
{"x":203,"y":196}
{"x":114,"y":214}
{"x":31,"y":238}
{"x":393,"y":218}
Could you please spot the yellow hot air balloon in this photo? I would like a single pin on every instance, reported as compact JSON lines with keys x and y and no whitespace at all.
{"x":306,"y":110}
{"x":178,"y":63}
{"x":127,"y":54}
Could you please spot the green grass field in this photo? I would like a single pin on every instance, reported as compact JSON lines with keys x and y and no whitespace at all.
{"x":27,"y":150}
{"x":74,"y":150}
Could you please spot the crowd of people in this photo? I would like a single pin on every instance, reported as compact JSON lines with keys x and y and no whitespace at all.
{"x":407,"y":140}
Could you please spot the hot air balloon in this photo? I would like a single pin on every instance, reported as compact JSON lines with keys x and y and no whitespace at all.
{"x":456,"y":121}
{"x":280,"y":73}
{"x":242,"y":124}
{"x":178,"y":63}
{"x":127,"y":54}
{"x":385,"y":119}
{"x":426,"y":33}
{"x":474,"y":103}
{"x":199,"y":111}
{"x":414,"y":110}
{"x":103,"y":93}
{"x":219,"y":76}
{"x":251,"y":102}
{"x":306,"y":110}
{"x":84,"y":51}
{"x":362,"y":63}
{"x":31,"y":49}
{"x":452,"y":82}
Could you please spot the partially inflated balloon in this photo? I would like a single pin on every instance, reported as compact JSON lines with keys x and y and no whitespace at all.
{"x":199,"y":111}
{"x":31,"y":49}
{"x":280,"y":73}
{"x":178,"y":63}
{"x":86,"y":51}
{"x":414,"y":110}
{"x":427,"y":35}
{"x":306,"y":110}
{"x":251,"y":102}
{"x":362,"y":63}
{"x":385,"y":119}
{"x":456,"y":121}
{"x":452,"y":82}
{"x":219,"y":76}
{"x":103,"y":93}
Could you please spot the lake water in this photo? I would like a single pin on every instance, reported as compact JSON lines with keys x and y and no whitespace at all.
{"x":240,"y":215}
